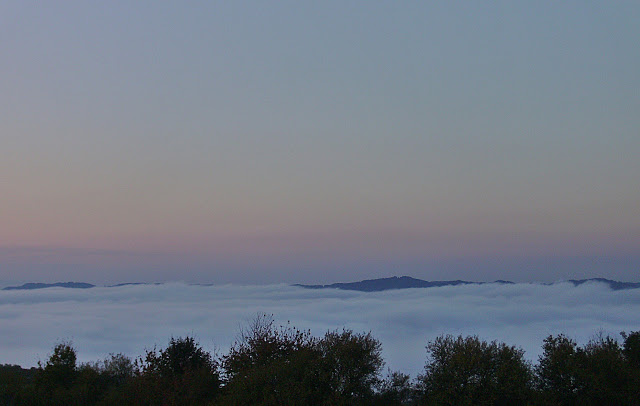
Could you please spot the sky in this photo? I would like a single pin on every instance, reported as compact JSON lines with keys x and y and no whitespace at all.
{"x":130,"y":319}
{"x":279,"y":142}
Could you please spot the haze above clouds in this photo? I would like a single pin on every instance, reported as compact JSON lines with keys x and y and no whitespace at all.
{"x":253,"y":142}
{"x":129,"y":319}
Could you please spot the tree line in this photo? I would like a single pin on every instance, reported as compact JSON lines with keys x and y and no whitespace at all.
{"x":282,"y":365}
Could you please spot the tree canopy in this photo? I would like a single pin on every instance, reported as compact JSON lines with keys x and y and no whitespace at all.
{"x":282,"y":365}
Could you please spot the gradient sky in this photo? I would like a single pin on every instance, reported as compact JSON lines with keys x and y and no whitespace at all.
{"x":257,"y":142}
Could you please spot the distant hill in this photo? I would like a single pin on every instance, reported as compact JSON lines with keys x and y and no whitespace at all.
{"x":394,"y":282}
{"x":615,"y":285}
{"x":367,"y":285}
{"x":77,"y":285}
{"x":406,"y":282}
{"x":133,"y":284}
{"x":31,"y":286}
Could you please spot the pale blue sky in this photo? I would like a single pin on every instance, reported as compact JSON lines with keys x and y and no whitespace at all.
{"x":299,"y":142}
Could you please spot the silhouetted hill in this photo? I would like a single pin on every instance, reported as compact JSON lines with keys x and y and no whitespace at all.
{"x":394,"y":282}
{"x":31,"y":286}
{"x":614,"y":285}
{"x":117,"y":285}
{"x":367,"y":285}
{"x":406,"y":282}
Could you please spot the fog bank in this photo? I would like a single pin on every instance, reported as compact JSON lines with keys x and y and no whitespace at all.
{"x":129,"y":319}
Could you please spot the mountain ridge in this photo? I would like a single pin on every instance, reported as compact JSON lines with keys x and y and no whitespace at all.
{"x":40,"y":285}
{"x":366,"y":285}
{"x":407,"y":282}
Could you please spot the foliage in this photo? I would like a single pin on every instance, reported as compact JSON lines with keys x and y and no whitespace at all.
{"x":469,"y":371}
{"x":631,"y":352}
{"x":556,"y":370}
{"x":352,"y":364}
{"x":13,"y":379}
{"x":282,"y":365}
{"x":181,"y":374}
{"x":631,"y":348}
{"x":60,"y":369}
{"x":272,"y":366}
{"x":600,"y":373}
{"x":396,"y":389}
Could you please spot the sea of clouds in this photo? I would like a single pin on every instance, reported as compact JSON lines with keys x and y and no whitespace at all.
{"x":130,"y":319}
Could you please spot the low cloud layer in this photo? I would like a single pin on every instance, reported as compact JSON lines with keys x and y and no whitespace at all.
{"x":129,"y":319}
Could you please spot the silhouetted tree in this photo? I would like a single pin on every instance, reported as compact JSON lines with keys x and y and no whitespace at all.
{"x":181,"y":374}
{"x":631,"y":348}
{"x":269,"y":365}
{"x":54,"y":379}
{"x":602,"y":373}
{"x":353,"y":363}
{"x":272,"y":366}
{"x":13,"y":380}
{"x":118,"y":368}
{"x":631,"y":352}
{"x":396,"y":389}
{"x":468,"y":371}
{"x":557,"y":370}
{"x":596,"y":374}
{"x":60,"y":369}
